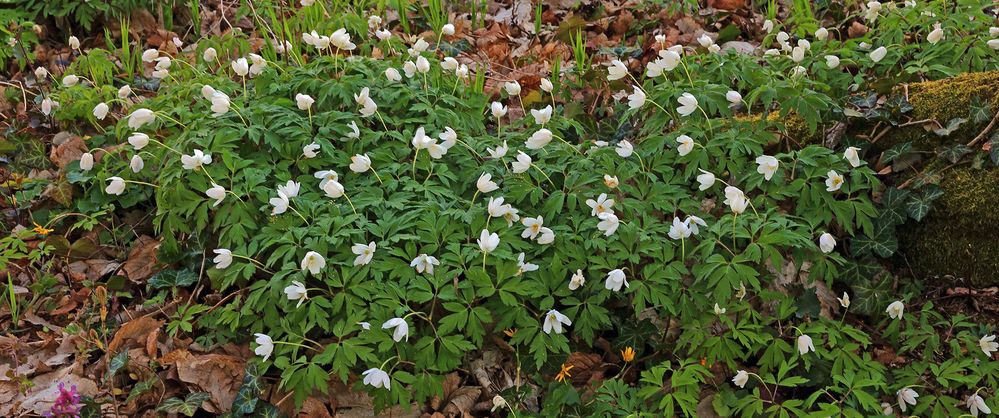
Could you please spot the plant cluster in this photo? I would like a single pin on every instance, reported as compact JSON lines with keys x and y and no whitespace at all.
{"x":377,"y":220}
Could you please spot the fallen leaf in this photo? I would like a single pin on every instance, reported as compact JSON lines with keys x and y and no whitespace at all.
{"x":141,"y":262}
{"x":134,"y":331}
{"x":66,"y":149}
{"x":217,"y":374}
{"x":314,"y":408}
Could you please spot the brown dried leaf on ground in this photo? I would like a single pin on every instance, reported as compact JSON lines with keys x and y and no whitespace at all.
{"x":217,"y":374}
{"x":134,"y":331}
{"x":457,"y":399}
{"x":586,"y":366}
{"x":66,"y":148}
{"x":142,"y":261}
{"x":314,"y":408}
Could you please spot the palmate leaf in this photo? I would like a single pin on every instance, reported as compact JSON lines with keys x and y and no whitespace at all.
{"x":142,"y":387}
{"x":870,"y":296}
{"x":117,"y":363}
{"x":267,"y":411}
{"x":883,"y":242}
{"x":893,"y":206}
{"x":187,"y":406}
{"x":172,"y":278}
{"x":952,"y":126}
{"x":858,"y":271}
{"x":249,"y":392}
{"x":980,"y":111}
{"x":896,"y":151}
{"x":954,"y":153}
{"x":919,"y":204}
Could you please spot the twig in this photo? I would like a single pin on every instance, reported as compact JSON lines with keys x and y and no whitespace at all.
{"x":985,"y":131}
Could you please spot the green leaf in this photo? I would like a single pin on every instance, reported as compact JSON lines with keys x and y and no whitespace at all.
{"x":954,"y":153}
{"x":187,"y":406}
{"x":249,"y":392}
{"x":896,"y":151}
{"x":952,"y":126}
{"x":883,"y":242}
{"x":172,"y":278}
{"x":117,"y":363}
{"x":893,"y":206}
{"x":141,"y":387}
{"x":919,"y":204}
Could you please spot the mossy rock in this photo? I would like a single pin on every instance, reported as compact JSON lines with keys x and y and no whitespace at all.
{"x":944,"y":100}
{"x":960,"y":236}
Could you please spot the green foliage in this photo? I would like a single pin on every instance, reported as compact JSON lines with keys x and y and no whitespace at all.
{"x":742,"y":293}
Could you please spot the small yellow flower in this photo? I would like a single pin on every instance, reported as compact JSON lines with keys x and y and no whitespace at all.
{"x":41,"y":230}
{"x":564,"y":373}
{"x":628,"y":354}
{"x":510,"y":332}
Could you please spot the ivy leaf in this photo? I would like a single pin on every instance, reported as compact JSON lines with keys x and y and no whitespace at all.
{"x":116,"y":364}
{"x":954,"y":153}
{"x":893,"y":206}
{"x":249,"y":392}
{"x":869,"y":296}
{"x":919,"y":205}
{"x":187,"y":406}
{"x":980,"y":111}
{"x":267,"y":411}
{"x":951,"y":127}
{"x":172,"y":278}
{"x":859,"y":271}
{"x":883,"y":242}
{"x":897,"y":151}
{"x":141,"y":387}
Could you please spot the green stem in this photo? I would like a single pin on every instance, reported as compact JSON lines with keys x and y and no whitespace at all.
{"x":298,"y":213}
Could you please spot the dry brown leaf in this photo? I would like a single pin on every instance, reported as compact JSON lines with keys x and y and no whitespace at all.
{"x":217,"y":374}
{"x":66,"y":149}
{"x":585,"y":366}
{"x":142,"y":261}
{"x":133,"y":331}
{"x":314,"y":408}
{"x":462,"y":400}
{"x":727,"y":4}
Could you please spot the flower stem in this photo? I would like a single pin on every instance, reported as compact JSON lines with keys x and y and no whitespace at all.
{"x":299,"y":214}
{"x":472,"y":203}
{"x":543,"y":174}
{"x":351,"y":203}
{"x":417,"y":154}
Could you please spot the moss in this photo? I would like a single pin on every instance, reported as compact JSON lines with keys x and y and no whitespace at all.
{"x":958,"y":237}
{"x":948,"y":98}
{"x":943,"y":100}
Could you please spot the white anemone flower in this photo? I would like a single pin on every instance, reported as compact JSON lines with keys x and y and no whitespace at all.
{"x":313,"y":262}
{"x":196,"y":160}
{"x":688,"y":104}
{"x":377,"y":378}
{"x":116,"y":186}
{"x":364,"y":253}
{"x":265,"y":346}
{"x":297,"y":291}
{"x":896,"y":309}
{"x":615,"y":280}
{"x":223,"y":258}
{"x":424,"y":263}
{"x":554,"y":320}
{"x":401,"y":328}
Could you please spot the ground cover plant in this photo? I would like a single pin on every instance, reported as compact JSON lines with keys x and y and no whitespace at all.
{"x":368,"y":214}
